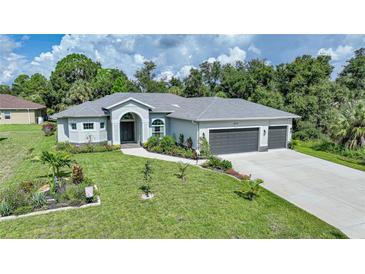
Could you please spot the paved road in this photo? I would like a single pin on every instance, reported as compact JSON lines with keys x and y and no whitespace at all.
{"x":332,"y":192}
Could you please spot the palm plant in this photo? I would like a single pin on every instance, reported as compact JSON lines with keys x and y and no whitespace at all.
{"x":56,"y":161}
{"x":349,"y":128}
{"x":182,"y":171}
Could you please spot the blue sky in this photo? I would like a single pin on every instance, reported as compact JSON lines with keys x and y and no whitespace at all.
{"x":173,"y":54}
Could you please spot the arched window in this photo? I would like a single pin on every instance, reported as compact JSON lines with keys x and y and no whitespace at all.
{"x":127,"y":117}
{"x":158,"y":128}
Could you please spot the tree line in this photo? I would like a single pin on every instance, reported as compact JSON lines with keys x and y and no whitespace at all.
{"x":328,"y":107}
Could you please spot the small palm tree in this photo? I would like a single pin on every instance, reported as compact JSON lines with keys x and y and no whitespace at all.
{"x":56,"y":161}
{"x":349,"y":128}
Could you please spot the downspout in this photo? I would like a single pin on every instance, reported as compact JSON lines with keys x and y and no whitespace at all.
{"x":28,"y":116}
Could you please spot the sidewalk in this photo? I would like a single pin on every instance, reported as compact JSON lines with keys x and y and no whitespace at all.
{"x":141,"y":152}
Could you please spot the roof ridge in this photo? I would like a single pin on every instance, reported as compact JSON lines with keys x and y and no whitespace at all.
{"x":205,"y":110}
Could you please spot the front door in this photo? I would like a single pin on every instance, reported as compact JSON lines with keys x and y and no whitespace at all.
{"x":127,"y":131}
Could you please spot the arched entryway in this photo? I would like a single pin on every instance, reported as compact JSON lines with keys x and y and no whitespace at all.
{"x":130,"y":128}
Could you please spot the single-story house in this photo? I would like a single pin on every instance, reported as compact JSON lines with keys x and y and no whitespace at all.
{"x":229,"y":125}
{"x":15,"y":110}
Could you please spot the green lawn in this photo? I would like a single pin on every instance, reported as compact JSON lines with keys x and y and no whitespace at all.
{"x":307,"y":148}
{"x":204,"y":207}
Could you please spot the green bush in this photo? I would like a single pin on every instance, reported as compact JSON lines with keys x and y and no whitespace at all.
{"x":14,"y":197}
{"x":38,"y":200}
{"x":88,"y":148}
{"x":167,"y":143}
{"x":217,"y":163}
{"x":153,"y":141}
{"x":23,"y":210}
{"x":204,"y":147}
{"x":181,"y":139}
{"x":253,"y":188}
{"x":189,"y":143}
{"x":5,"y":209}
{"x":293,"y":143}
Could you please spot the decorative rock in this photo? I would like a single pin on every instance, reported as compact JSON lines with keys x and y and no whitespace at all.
{"x":44,"y":189}
{"x":89,"y":191}
{"x":145,"y":197}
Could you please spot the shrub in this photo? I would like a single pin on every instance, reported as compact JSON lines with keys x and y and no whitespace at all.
{"x":23,"y":210}
{"x":217,"y":163}
{"x":167,"y":143}
{"x":293,"y":143}
{"x":14,"y":197}
{"x":38,"y":200}
{"x":181,"y":139}
{"x":5,"y":209}
{"x":189,"y":143}
{"x":253,"y":189}
{"x":77,"y":174}
{"x":204,"y":147}
{"x":76,"y":149}
{"x":182,"y":171}
{"x":49,"y":129}
{"x":147,"y":178}
{"x":152,"y":142}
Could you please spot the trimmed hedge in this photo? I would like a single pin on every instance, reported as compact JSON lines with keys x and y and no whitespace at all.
{"x":167,"y":145}
{"x":89,"y":148}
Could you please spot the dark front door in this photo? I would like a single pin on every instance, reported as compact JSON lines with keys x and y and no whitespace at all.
{"x":223,"y":141}
{"x":127,"y":131}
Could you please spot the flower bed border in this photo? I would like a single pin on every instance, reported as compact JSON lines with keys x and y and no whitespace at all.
{"x":42,"y":212}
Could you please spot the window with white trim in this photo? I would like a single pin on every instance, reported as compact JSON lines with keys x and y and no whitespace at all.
{"x":88,"y":126}
{"x":102,"y":125}
{"x":73,"y":126}
{"x":7,"y":115}
{"x":158,"y":128}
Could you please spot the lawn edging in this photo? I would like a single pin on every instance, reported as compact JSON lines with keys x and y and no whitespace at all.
{"x":42,"y":212}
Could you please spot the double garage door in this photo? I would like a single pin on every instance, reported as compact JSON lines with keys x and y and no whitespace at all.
{"x":223,"y":141}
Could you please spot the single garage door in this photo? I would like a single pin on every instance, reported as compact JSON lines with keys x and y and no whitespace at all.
{"x":223,"y":141}
{"x":277,"y":137}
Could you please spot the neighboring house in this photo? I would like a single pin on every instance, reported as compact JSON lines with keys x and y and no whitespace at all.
{"x":14,"y":110}
{"x":230,"y":125}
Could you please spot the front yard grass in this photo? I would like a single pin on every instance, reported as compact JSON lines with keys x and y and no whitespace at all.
{"x":308,"y":148}
{"x":206,"y":206}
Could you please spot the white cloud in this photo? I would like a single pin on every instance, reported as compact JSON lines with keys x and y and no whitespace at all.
{"x":175,"y":53}
{"x":338,"y":54}
{"x":10,"y":62}
{"x":254,"y":50}
{"x":235,"y":54}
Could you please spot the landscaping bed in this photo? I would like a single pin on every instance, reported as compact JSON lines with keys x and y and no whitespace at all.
{"x":168,"y":146}
{"x":87,"y":148}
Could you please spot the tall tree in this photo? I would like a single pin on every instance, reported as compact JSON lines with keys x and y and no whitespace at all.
{"x":353,"y":75}
{"x":146,"y":79}
{"x":5,"y":89}
{"x":70,"y":69}
{"x":194,"y":85}
{"x":108,"y":81}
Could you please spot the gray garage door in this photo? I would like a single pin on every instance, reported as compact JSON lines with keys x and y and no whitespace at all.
{"x":277,"y":137}
{"x":223,"y":141}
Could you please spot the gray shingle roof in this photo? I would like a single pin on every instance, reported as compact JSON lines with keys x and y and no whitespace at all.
{"x":197,"y":109}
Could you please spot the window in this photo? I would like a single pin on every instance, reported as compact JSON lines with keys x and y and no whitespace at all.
{"x":7,"y":115}
{"x":73,"y":126}
{"x":102,"y":125}
{"x":158,"y":128}
{"x":88,"y":126}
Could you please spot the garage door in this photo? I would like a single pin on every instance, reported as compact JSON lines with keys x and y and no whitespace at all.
{"x":277,"y":137}
{"x":223,"y":141}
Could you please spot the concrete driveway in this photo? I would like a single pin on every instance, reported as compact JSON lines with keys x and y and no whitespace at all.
{"x":332,"y":192}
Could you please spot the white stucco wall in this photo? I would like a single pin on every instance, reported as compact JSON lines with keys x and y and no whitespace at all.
{"x":117,"y":113}
{"x":62,"y":130}
{"x":263,"y":126}
{"x":188,"y":128}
